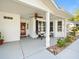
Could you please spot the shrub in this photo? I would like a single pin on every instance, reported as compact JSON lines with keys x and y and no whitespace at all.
{"x":60,"y":43}
{"x":73,"y":33}
{"x":69,"y":38}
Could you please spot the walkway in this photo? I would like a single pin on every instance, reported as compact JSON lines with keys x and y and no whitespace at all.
{"x":35,"y":49}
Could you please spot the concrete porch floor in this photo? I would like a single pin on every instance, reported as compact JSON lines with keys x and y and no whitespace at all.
{"x":35,"y":49}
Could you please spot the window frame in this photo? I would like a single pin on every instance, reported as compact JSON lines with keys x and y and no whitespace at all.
{"x":59,"y":26}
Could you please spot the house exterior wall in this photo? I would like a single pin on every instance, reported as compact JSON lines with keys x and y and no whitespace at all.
{"x":64,"y":27}
{"x":10,"y":28}
{"x":40,"y":4}
{"x":32,"y":27}
{"x":63,"y":32}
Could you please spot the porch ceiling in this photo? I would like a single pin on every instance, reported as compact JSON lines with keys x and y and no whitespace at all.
{"x":25,"y":10}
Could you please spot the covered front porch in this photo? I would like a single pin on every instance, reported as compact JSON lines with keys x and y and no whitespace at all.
{"x":26,"y":14}
{"x":24,"y":48}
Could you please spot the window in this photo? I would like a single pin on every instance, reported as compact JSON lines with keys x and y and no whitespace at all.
{"x":44,"y":26}
{"x":41,"y":26}
{"x":51,"y":26}
{"x":59,"y":24}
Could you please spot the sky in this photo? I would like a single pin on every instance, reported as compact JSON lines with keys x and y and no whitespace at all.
{"x":69,"y":5}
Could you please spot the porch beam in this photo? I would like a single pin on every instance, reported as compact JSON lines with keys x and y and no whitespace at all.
{"x":47,"y":29}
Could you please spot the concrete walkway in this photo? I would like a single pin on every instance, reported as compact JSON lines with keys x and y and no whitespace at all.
{"x":35,"y":49}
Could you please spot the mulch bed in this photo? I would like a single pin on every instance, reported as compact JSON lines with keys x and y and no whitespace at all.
{"x":56,"y":50}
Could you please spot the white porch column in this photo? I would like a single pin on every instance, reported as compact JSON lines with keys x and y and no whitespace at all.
{"x":47,"y":29}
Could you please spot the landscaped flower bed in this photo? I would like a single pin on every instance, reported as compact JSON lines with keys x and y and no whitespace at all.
{"x":60,"y":46}
{"x":63,"y":43}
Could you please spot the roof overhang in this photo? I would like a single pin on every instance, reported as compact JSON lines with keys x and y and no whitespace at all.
{"x":55,"y":10}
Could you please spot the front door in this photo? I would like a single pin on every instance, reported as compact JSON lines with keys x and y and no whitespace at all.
{"x":23,"y":30}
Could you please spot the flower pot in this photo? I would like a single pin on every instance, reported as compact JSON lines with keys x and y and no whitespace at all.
{"x":1,"y":42}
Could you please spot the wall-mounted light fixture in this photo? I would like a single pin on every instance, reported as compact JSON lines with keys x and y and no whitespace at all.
{"x":7,"y":17}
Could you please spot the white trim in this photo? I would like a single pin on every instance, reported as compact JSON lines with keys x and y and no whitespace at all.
{"x":47,"y":29}
{"x":55,"y":4}
{"x":23,"y":2}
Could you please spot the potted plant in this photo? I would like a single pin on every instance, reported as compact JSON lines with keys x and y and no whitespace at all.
{"x":1,"y":39}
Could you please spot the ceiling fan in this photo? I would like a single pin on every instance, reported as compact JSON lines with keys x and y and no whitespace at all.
{"x":37,"y":16}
